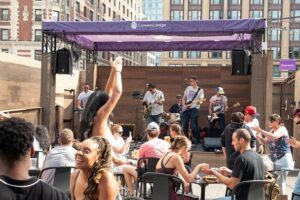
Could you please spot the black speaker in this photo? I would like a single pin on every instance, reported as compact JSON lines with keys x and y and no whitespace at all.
{"x":63,"y":64}
{"x":240,"y":62}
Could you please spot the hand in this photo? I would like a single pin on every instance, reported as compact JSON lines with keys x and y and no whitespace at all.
{"x":225,"y":171}
{"x":129,"y":139}
{"x":116,"y":64}
{"x":293,"y":142}
{"x":260,"y":149}
{"x":3,"y":116}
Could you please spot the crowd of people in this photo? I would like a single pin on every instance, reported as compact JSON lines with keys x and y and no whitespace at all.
{"x":102,"y":152}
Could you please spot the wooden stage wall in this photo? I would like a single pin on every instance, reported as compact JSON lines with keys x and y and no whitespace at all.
{"x":173,"y":81}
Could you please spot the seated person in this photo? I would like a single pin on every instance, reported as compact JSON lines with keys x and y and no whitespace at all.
{"x":16,"y":147}
{"x":163,"y":130}
{"x":92,"y":178}
{"x":154,"y":148}
{"x":175,"y":130}
{"x":248,"y":165}
{"x":120,"y":147}
{"x":173,"y":163}
{"x":59,"y":156}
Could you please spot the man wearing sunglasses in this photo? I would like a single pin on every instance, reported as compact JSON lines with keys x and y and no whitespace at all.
{"x":84,"y":96}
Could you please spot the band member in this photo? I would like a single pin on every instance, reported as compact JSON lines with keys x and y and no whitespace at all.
{"x":153,"y":104}
{"x":192,"y":98}
{"x":217,"y":107}
{"x":176,"y":108}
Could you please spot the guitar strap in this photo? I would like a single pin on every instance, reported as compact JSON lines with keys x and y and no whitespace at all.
{"x":194,"y":95}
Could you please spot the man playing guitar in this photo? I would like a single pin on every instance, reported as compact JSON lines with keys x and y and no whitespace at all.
{"x":153,"y":104}
{"x":217,"y":106}
{"x":193,"y":96}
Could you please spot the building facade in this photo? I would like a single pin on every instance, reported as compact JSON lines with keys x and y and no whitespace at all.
{"x":283,"y":33}
{"x":20,"y":23}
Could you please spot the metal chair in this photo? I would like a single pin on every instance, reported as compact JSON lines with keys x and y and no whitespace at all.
{"x":59,"y":177}
{"x":144,"y":165}
{"x":254,"y":190}
{"x":161,"y":185}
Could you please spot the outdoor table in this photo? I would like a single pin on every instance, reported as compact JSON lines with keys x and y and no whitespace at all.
{"x":202,"y":183}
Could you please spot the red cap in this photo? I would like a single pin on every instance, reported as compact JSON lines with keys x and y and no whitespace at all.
{"x":251,"y":110}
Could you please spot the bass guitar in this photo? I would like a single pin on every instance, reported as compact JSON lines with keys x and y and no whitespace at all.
{"x":215,"y":116}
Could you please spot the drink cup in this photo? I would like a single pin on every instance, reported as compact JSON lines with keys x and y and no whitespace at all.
{"x":167,"y":139}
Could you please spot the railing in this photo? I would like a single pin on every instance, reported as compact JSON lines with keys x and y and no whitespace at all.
{"x":26,"y":110}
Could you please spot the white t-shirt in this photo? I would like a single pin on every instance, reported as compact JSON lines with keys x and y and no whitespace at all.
{"x":155,"y":108}
{"x":190,"y":93}
{"x":84,"y":96}
{"x":253,"y":123}
{"x":218,"y":103}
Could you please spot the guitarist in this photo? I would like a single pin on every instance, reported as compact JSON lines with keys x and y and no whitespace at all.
{"x":218,"y":105}
{"x":153,"y":104}
{"x":193,"y":95}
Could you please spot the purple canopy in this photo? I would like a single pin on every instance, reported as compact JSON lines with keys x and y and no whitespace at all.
{"x":202,"y":35}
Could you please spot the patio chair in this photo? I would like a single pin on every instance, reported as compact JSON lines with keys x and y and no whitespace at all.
{"x":254,"y":189}
{"x":59,"y":177}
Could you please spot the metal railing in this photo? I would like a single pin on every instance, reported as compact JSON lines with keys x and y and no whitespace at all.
{"x":26,"y":110}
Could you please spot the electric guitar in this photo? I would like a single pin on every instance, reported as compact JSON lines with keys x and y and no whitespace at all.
{"x":215,"y":116}
{"x":189,"y":104}
{"x":148,"y":107}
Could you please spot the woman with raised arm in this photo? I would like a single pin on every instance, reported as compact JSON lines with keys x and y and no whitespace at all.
{"x":92,"y":179}
{"x":101,"y":103}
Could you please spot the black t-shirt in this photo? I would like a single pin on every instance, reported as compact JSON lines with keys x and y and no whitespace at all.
{"x":226,"y":141}
{"x":30,"y":189}
{"x":248,"y":166}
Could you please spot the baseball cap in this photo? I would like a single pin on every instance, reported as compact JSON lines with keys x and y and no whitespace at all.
{"x":251,"y":110}
{"x":152,"y":127}
{"x":178,"y":96}
{"x":220,"y":90}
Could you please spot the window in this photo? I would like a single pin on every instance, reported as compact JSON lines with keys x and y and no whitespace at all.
{"x":77,"y":6}
{"x":255,"y":14}
{"x":175,"y":54}
{"x":55,"y":15}
{"x":274,"y":34}
{"x":4,"y":14}
{"x":276,"y":71}
{"x":215,"y":55}
{"x":216,"y":2}
{"x":4,"y":50}
{"x":294,"y":52}
{"x":104,"y":8}
{"x":276,"y":53}
{"x":68,"y":3}
{"x":38,"y":15}
{"x":37,"y":35}
{"x":175,"y":65}
{"x":194,"y":15}
{"x":91,"y":15}
{"x":215,"y":14}
{"x":276,"y":2}
{"x":295,"y":34}
{"x":192,"y":65}
{"x":234,"y":14}
{"x":275,"y":14}
{"x":4,"y":34}
{"x":38,"y":55}
{"x":296,"y":14}
{"x":84,"y":11}
{"x":295,"y":1}
{"x":193,"y":54}
{"x":56,"y":1}
{"x":177,"y":2}
{"x":195,"y":2}
{"x":68,"y":17}
{"x":257,"y":2}
{"x":176,"y":15}
{"x":92,"y":2}
{"x":235,"y":2}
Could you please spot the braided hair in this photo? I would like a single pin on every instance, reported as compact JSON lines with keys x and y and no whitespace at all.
{"x":99,"y":167}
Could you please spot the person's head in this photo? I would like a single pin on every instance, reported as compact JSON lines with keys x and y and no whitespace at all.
{"x":94,"y":156}
{"x":152,"y":130}
{"x":241,"y":140}
{"x":193,"y":81}
{"x":152,"y":87}
{"x":66,"y":137}
{"x":179,"y":98}
{"x":182,"y":146}
{"x":117,"y":130}
{"x":237,"y":117}
{"x":219,"y":91}
{"x":175,"y":130}
{"x":250,"y":113}
{"x":163,"y":127}
{"x":42,"y":136}
{"x":85,"y":87}
{"x":95,"y":101}
{"x":275,"y":121}
{"x":16,"y":140}
{"x":297,"y":116}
